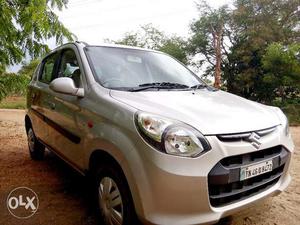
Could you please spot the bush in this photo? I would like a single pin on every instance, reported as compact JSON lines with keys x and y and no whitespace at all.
{"x":293,"y":113}
{"x":12,"y":84}
{"x":291,"y":107}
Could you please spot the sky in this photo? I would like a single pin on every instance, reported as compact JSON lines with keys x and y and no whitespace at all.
{"x":93,"y":21}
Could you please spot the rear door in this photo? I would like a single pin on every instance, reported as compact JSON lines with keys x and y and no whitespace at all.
{"x":40,"y":97}
{"x":65,"y":134}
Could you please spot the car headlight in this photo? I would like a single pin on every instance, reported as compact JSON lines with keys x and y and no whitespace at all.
{"x":171,"y":137}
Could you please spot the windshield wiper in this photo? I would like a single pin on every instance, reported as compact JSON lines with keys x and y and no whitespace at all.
{"x":201,"y":86}
{"x":159,"y":85}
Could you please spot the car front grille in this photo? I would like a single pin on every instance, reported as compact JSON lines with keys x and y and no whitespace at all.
{"x":224,"y":182}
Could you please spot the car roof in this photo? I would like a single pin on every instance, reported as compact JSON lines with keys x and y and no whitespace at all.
{"x":84,"y":44}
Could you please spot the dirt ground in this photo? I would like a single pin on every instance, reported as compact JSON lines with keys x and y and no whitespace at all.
{"x":63,"y":194}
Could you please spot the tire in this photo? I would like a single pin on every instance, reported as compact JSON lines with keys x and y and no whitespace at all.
{"x":114,"y":201}
{"x":36,"y":148}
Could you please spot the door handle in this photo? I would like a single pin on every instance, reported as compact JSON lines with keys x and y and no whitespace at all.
{"x":52,"y":105}
{"x":33,"y":95}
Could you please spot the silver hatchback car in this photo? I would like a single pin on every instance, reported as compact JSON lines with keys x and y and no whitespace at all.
{"x":161,"y":146}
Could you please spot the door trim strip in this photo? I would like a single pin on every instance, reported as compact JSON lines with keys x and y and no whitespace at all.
{"x":69,"y":135}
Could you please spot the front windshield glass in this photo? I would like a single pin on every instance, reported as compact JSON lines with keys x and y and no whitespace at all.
{"x":122,"y":68}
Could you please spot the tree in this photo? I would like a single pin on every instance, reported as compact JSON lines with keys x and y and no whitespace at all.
{"x":24,"y":27}
{"x":176,"y":47}
{"x":11,"y":83}
{"x":2,"y":69}
{"x":255,"y":24}
{"x":28,"y":69}
{"x":207,"y":39}
{"x":146,"y":37}
{"x":282,"y":66}
{"x":150,"y":37}
{"x":130,"y":39}
{"x":16,"y":84}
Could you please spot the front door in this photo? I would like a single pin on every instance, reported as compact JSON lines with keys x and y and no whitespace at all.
{"x":41,"y":99}
{"x":65,"y":133}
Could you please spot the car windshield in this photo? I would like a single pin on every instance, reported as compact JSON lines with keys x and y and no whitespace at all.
{"x":134,"y":69}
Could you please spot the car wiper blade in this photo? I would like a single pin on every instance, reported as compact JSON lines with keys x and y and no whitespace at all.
{"x":158,"y":85}
{"x":149,"y":84}
{"x":175,"y":85}
{"x":164,"y":84}
{"x":201,"y":86}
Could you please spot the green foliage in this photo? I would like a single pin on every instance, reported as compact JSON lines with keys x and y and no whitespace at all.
{"x":12,"y":84}
{"x":28,"y":69}
{"x":146,"y":37}
{"x":291,"y":107}
{"x":16,"y":84}
{"x":254,"y":25}
{"x":24,"y":27}
{"x":246,"y":32}
{"x":175,"y":47}
{"x":130,"y":39}
{"x":2,"y":68}
{"x":293,"y":113}
{"x":282,"y":67}
{"x":150,"y":37}
{"x":211,"y":22}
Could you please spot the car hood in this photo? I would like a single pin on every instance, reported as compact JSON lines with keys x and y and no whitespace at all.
{"x":211,"y":112}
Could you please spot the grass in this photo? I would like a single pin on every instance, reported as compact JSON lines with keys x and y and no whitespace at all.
{"x":13,"y":102}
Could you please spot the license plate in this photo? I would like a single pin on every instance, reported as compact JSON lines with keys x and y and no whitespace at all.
{"x":256,"y":169}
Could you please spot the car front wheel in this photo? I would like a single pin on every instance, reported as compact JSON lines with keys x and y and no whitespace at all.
{"x":114,"y":197}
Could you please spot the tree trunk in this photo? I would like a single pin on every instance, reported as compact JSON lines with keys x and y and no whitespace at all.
{"x":217,"y":83}
{"x":217,"y":39}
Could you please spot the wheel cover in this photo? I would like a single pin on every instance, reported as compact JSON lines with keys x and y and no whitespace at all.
{"x":31,"y":140}
{"x":110,"y":201}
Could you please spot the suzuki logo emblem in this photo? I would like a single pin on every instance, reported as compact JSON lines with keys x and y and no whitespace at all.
{"x":254,"y":139}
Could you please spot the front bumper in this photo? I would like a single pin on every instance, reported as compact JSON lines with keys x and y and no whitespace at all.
{"x":175,"y":190}
{"x":225,"y":185}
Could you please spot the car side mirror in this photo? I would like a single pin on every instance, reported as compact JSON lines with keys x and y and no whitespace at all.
{"x":65,"y":85}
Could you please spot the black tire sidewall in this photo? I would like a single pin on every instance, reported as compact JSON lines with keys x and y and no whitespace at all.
{"x":38,"y":150}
